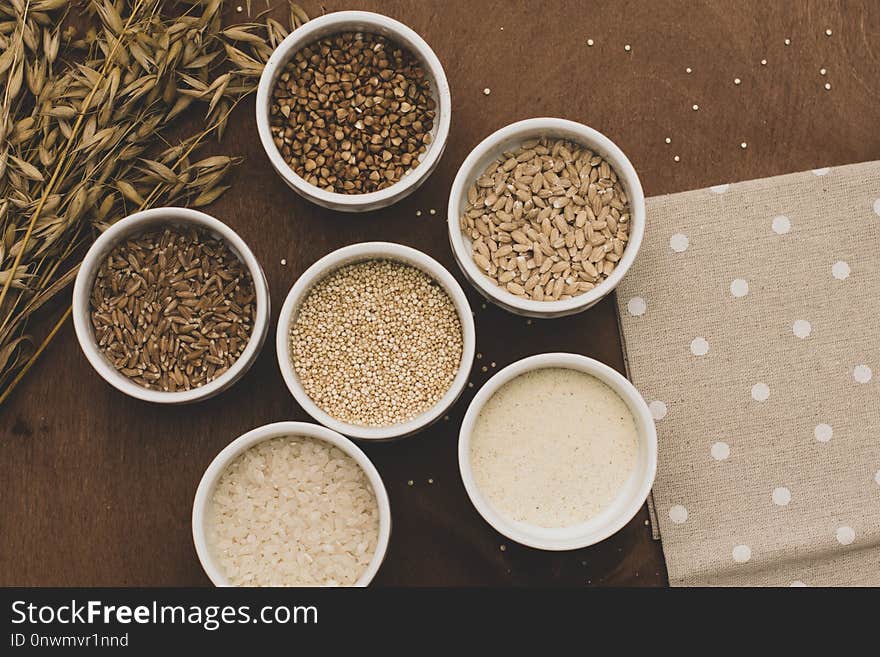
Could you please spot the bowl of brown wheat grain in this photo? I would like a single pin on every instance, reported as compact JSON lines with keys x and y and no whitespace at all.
{"x":170,"y":306}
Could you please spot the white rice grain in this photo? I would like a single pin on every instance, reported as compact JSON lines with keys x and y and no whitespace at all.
{"x":293,"y":511}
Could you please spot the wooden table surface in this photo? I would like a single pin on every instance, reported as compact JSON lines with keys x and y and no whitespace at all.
{"x":96,"y":488}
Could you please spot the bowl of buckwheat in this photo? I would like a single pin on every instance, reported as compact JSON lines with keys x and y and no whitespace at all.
{"x":545,"y":217}
{"x":353,"y":110}
{"x":376,"y":340}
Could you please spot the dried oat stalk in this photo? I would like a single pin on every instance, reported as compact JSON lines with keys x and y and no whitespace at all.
{"x":85,"y":111}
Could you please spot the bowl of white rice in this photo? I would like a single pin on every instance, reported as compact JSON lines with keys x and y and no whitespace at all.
{"x":291,"y":504}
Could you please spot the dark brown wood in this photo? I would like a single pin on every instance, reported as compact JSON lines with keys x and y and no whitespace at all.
{"x":96,"y":488}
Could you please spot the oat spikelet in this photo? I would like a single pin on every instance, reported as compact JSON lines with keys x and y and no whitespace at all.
{"x":85,"y":111}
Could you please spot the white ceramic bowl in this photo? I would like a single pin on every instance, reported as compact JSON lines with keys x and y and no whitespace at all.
{"x":239,"y":445}
{"x":509,"y":138}
{"x":138,"y":223}
{"x":628,"y":501}
{"x":360,"y":253}
{"x":357,"y":21}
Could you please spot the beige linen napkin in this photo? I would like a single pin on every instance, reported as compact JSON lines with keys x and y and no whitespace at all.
{"x":751,"y":324}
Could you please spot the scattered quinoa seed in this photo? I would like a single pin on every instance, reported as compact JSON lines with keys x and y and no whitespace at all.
{"x":590,"y":43}
{"x":676,"y":159}
{"x":487,"y":91}
{"x":827,"y":86}
{"x":627,"y":48}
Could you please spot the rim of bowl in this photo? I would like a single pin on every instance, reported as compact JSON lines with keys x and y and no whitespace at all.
{"x":359,"y":253}
{"x":85,"y":278}
{"x":607,"y":522}
{"x":311,"y":31}
{"x":522,"y":130}
{"x":244,"y":442}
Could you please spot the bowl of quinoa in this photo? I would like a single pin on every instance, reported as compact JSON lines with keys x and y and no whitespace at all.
{"x":376,"y":340}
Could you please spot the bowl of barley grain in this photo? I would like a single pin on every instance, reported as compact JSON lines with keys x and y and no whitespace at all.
{"x":376,"y":340}
{"x":545,"y":217}
{"x":170,"y":306}
{"x":353,"y":110}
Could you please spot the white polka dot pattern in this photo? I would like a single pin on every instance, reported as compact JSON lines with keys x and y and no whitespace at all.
{"x":845,"y":535}
{"x":781,"y":496}
{"x":720,"y":451}
{"x":658,"y":410}
{"x":781,"y":225}
{"x":679,"y":242}
{"x":802,"y":328}
{"x":840,"y":270}
{"x":862,"y":374}
{"x":699,"y":347}
{"x":637,"y":306}
{"x":678,"y":514}
{"x":739,"y":287}
{"x":823,"y":432}
{"x":759,"y":350}
{"x":742,"y":553}
{"x":760,"y":392}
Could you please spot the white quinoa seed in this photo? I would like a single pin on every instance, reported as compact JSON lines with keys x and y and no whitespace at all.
{"x":376,"y":343}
